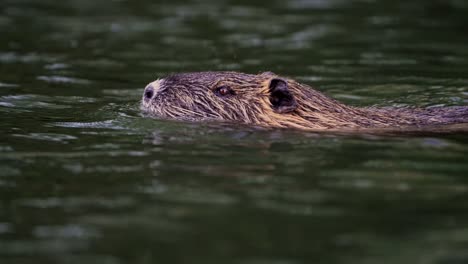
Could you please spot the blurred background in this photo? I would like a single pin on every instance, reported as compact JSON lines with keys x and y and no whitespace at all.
{"x":84,"y":178}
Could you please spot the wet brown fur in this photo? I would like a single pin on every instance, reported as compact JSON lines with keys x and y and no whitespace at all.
{"x":191,"y":96}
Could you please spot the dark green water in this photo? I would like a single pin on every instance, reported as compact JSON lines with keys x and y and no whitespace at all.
{"x":84,"y":178}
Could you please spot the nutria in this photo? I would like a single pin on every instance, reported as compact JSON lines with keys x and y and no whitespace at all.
{"x":269,"y":100}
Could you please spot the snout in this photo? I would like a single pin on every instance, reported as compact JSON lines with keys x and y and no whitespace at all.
{"x":151,"y":90}
{"x":148,"y":93}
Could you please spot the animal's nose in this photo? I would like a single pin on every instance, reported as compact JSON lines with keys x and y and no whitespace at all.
{"x":149,"y":92}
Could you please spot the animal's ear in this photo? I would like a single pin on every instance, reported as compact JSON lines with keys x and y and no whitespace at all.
{"x":280,"y":98}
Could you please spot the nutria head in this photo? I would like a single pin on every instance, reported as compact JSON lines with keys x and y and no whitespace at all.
{"x":219,"y":95}
{"x":264,"y":99}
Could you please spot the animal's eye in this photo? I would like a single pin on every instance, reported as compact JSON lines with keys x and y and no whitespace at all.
{"x":224,"y":91}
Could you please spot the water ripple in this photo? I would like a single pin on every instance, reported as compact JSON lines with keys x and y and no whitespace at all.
{"x":62,"y":79}
{"x":47,"y":137}
{"x":68,"y":231}
{"x":107,"y":124}
{"x":12,"y":57}
{"x":8,"y":85}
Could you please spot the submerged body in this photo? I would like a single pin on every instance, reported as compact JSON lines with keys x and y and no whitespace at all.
{"x":269,"y":100}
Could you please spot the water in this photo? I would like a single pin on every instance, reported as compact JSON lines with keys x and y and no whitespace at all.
{"x":84,"y":178}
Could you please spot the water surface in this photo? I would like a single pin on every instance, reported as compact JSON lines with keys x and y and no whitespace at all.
{"x":84,"y":178}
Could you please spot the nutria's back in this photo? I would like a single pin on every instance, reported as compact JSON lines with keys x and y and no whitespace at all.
{"x":273,"y":101}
